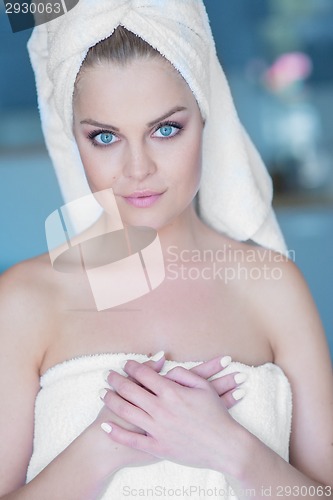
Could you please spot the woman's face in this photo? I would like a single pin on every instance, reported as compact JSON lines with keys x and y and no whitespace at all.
{"x":139,"y":131}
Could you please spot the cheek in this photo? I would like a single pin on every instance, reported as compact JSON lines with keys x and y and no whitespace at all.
{"x":97,"y":169}
{"x":193,"y":162}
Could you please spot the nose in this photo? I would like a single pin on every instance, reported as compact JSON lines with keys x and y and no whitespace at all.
{"x":138,"y":162}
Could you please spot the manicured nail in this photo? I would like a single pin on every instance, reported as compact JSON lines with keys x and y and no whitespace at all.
{"x":225,"y":361}
{"x":123,"y":363}
{"x":159,"y":355}
{"x":105,"y":376}
{"x":238,"y":394}
{"x":106,"y":427}
{"x":102,"y":393}
{"x":240,"y":378}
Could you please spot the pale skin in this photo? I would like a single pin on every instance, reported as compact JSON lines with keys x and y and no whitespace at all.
{"x":45,"y":321}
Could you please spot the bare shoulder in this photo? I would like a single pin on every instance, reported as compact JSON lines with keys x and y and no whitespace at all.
{"x":287,"y":315}
{"x":27,"y":282}
{"x":279,"y":297}
{"x":287,"y":309}
{"x":28,"y":295}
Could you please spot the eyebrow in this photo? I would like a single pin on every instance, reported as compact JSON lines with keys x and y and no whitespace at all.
{"x":166,"y":115}
{"x":150,"y":124}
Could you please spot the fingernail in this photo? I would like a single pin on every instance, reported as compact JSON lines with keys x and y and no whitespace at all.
{"x":102,"y":393}
{"x":225,"y":361}
{"x":106,"y":427}
{"x":238,"y":394}
{"x":105,"y":376}
{"x":123,"y":363}
{"x":240,"y":378}
{"x":159,"y":355}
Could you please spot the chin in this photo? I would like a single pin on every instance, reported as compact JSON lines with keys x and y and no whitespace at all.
{"x":143,"y":222}
{"x":153,"y":219}
{"x":157,"y":218}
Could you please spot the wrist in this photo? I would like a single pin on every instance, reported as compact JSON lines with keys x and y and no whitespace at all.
{"x":102,"y":459}
{"x":248,"y":452}
{"x":240,"y":446}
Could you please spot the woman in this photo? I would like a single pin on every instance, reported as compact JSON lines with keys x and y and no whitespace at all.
{"x":165,"y":427}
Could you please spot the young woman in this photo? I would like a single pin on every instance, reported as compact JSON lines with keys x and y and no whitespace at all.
{"x":188,"y":422}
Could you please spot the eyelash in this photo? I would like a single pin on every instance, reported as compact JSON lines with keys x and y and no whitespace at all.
{"x":94,"y":133}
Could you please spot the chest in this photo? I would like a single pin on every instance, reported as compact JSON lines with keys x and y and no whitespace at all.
{"x":188,"y":319}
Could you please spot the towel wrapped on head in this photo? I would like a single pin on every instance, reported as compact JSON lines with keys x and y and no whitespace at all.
{"x":235,"y":195}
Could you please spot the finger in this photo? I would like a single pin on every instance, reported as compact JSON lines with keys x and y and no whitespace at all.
{"x":209,"y":368}
{"x":233,"y":397}
{"x":131,"y":391}
{"x":127,"y":438}
{"x":156,"y":362}
{"x":186,"y":378}
{"x":126,"y":410}
{"x":146,"y":376}
{"x":228,"y":382}
{"x":106,"y":413}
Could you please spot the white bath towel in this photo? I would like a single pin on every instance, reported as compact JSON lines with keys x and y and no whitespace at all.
{"x":69,"y":401}
{"x":236,"y":191}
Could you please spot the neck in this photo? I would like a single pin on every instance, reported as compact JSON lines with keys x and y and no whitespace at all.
{"x":184,"y":233}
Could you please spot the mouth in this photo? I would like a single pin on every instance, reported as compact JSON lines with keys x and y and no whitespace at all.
{"x":143,"y":199}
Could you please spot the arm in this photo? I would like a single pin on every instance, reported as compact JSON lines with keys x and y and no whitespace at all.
{"x":84,"y":467}
{"x":300,"y":348}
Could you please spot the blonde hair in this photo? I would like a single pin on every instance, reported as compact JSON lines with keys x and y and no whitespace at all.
{"x":121,"y":47}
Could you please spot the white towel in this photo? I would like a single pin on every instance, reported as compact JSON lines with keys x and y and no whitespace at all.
{"x":68,"y":402}
{"x":236,"y":190}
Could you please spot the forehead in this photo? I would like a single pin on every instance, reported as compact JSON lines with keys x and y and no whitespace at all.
{"x":142,"y":84}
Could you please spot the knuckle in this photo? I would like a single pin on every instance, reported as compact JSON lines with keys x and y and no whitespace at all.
{"x":168,"y":393}
{"x":205,"y":384}
{"x":132,"y":441}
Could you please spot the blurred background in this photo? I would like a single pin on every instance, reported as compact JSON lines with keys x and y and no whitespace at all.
{"x":277,"y":55}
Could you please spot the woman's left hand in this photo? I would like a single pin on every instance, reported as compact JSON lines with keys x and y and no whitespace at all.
{"x":184,"y":418}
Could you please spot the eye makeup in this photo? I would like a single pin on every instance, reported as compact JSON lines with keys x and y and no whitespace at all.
{"x":167,"y":124}
{"x":95,"y":133}
{"x":100,"y":132}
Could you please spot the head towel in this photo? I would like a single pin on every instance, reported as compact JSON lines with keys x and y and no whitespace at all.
{"x":235,"y":195}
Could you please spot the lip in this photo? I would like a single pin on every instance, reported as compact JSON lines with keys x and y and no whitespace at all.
{"x":143,"y":199}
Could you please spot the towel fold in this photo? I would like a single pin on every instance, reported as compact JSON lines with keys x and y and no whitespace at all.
{"x":235,"y":194}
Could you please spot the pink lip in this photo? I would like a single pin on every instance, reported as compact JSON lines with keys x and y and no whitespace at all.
{"x":142,"y":199}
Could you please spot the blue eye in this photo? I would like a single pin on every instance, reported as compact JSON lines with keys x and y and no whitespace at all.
{"x":105,"y":138}
{"x":102,"y":138}
{"x":168,"y":130}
